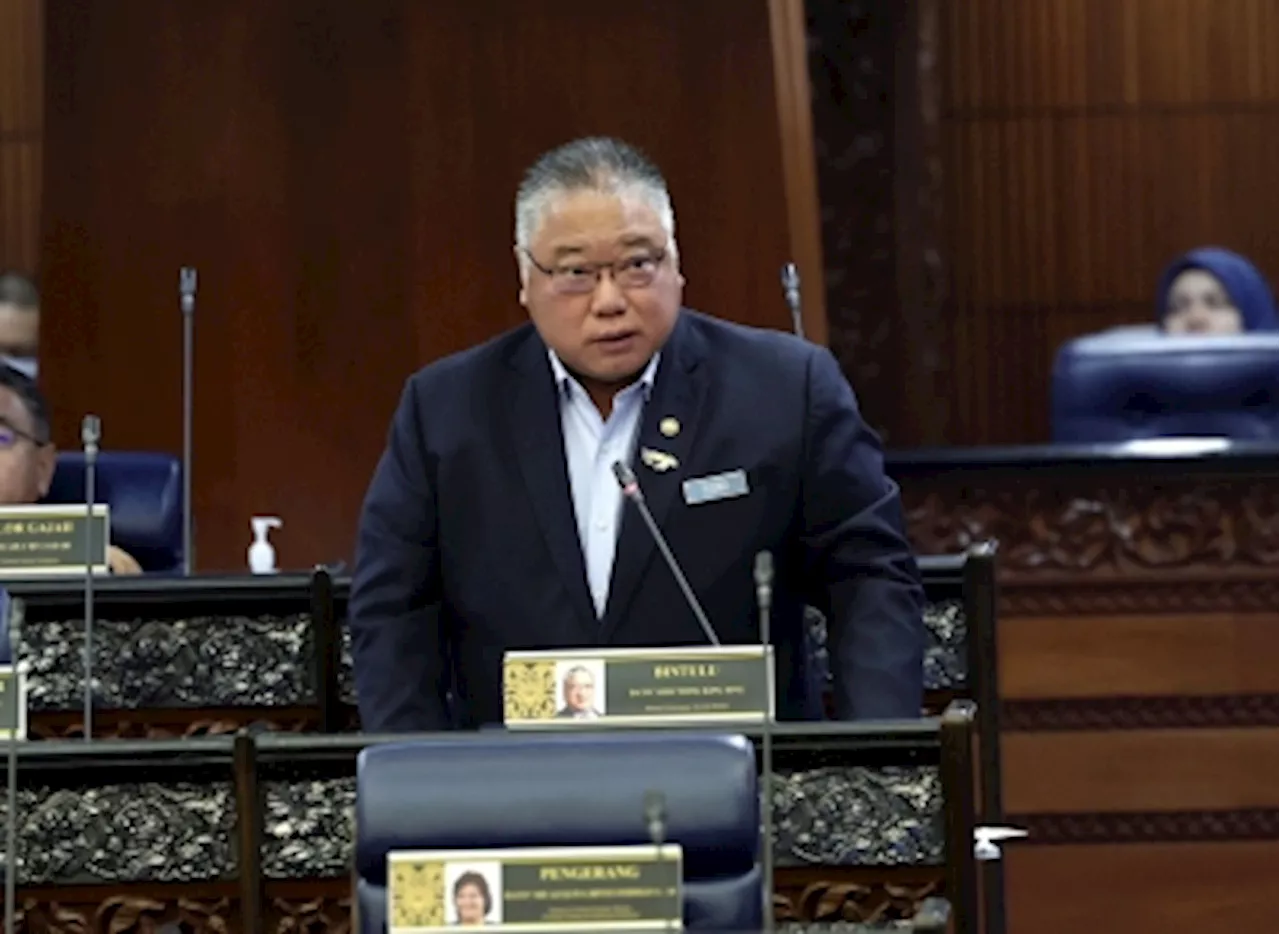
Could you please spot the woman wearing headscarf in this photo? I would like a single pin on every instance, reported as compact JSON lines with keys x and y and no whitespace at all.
{"x":1214,"y":291}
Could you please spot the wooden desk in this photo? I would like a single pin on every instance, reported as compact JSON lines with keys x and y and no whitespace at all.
{"x":1138,"y":670}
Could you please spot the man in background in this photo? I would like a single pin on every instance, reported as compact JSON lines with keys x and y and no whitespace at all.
{"x":28,"y":456}
{"x":19,"y":322}
{"x":579,"y":695}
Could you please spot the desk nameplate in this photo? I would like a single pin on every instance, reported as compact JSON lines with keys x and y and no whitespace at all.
{"x":565,"y":688}
{"x":599,"y":889}
{"x":45,"y":540}
{"x":13,"y":701}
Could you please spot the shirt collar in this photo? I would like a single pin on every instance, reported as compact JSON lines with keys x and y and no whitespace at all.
{"x":565,"y":381}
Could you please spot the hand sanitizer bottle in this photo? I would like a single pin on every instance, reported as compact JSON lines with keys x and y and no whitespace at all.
{"x":262,"y":556}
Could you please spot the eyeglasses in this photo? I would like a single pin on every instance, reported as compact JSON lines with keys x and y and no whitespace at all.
{"x":10,"y":436}
{"x":634,"y":272}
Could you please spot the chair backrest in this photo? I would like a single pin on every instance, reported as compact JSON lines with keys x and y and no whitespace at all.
{"x":144,"y":491}
{"x":504,"y":790}
{"x":1124,"y":385}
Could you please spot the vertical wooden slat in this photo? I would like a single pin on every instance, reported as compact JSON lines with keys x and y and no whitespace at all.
{"x":21,"y":119}
{"x":795,"y":135}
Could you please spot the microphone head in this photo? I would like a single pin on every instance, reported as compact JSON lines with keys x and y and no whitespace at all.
{"x":90,"y":430}
{"x":626,"y":478}
{"x":764,"y":568}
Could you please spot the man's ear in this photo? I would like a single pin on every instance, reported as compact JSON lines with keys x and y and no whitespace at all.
{"x":46,"y":463}
{"x":522,"y":270}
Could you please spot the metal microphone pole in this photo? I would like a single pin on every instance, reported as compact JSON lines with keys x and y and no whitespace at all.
{"x":631,"y":490}
{"x":187,"y":288}
{"x":90,"y":435}
{"x":763,"y":573}
{"x":11,"y":813}
{"x":655,"y":816}
{"x":791,"y":290}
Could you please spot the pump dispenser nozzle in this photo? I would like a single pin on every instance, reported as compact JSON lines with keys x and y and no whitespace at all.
{"x":262,"y":556}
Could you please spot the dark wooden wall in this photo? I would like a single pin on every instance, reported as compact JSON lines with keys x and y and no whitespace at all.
{"x":21,"y":112}
{"x":1084,"y":144}
{"x":341,"y":174}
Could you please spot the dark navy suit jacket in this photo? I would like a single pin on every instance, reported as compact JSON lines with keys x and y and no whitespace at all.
{"x":468,"y":544}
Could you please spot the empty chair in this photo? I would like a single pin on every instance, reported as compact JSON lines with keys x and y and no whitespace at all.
{"x":1128,"y":385}
{"x":501,"y":791}
{"x":144,"y":493}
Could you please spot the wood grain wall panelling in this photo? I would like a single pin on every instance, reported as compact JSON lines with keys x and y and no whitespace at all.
{"x":1141,"y":887}
{"x":1086,"y":143}
{"x":341,"y":175}
{"x":21,"y":121}
{"x":1196,"y":654}
{"x":1140,"y":770}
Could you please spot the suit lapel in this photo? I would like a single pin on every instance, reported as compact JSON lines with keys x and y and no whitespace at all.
{"x":678,"y":393}
{"x":534,"y":413}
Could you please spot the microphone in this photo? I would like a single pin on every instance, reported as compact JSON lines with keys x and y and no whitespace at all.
{"x":90,"y":435}
{"x":11,"y":796}
{"x":631,"y":490}
{"x":763,"y":573}
{"x":187,"y":289}
{"x":791,"y":291}
{"x":655,"y":817}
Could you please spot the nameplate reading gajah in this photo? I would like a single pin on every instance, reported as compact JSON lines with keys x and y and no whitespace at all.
{"x":43,"y":540}
{"x":630,"y":888}
{"x":637,"y":687}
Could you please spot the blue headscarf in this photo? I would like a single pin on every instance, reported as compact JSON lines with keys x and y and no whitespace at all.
{"x":1245,"y":285}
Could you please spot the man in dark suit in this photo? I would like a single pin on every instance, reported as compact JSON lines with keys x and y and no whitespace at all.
{"x":494,"y":522}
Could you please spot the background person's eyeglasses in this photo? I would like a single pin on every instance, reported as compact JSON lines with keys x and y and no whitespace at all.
{"x":634,"y":272}
{"x":10,"y":436}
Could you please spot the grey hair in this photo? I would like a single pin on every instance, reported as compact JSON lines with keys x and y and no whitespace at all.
{"x":596,"y":163}
{"x":578,"y":670}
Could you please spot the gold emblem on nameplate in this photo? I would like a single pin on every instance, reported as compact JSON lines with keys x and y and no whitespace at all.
{"x":669,"y":427}
{"x":659,"y":461}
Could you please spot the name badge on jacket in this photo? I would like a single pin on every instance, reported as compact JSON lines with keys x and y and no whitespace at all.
{"x":709,"y":489}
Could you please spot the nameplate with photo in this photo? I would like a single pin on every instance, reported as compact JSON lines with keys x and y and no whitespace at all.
{"x":628,"y":888}
{"x":570,"y":688}
{"x":13,"y":702}
{"x":46,"y":541}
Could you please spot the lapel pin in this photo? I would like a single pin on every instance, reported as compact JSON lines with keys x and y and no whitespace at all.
{"x":659,"y":461}
{"x":669,"y":427}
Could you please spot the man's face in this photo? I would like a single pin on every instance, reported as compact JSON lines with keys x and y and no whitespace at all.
{"x":605,"y":331}
{"x":1198,"y":304}
{"x":579,"y":691}
{"x":19,"y":331}
{"x":26,"y":467}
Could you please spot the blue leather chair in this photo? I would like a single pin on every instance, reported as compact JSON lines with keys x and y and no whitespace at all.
{"x":505,"y":790}
{"x":1138,"y":383}
{"x":144,"y":491}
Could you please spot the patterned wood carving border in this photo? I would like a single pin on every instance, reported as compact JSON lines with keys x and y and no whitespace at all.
{"x":1140,"y":713}
{"x":1149,"y":827}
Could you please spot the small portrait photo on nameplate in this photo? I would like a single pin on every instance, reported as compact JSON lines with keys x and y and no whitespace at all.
{"x":566,"y":688}
{"x":13,"y":702}
{"x":630,"y":888}
{"x":49,"y":541}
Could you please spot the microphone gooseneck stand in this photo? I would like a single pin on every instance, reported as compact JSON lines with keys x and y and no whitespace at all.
{"x":187,"y":280}
{"x":791,"y":291}
{"x":655,"y":817}
{"x":763,"y":573}
{"x":90,"y":435}
{"x":11,"y":796}
{"x":631,"y":490}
